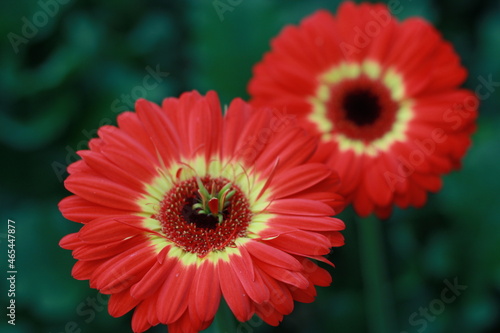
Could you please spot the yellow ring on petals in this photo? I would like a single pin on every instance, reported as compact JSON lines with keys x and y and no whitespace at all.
{"x":246,"y":179}
{"x":347,"y":71}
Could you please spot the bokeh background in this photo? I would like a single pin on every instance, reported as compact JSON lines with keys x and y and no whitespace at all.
{"x":85,"y":61}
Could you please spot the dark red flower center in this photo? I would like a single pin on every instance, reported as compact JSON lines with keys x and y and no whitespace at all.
{"x":361,"y":108}
{"x":199,"y":230}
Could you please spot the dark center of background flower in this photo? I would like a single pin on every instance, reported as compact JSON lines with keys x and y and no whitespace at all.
{"x":197,"y":232}
{"x":361,"y":109}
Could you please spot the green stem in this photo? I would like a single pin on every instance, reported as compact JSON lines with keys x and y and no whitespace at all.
{"x":224,"y":320}
{"x":378,"y":296}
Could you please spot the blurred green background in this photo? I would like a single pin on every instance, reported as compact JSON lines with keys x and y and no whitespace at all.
{"x":84,"y":61}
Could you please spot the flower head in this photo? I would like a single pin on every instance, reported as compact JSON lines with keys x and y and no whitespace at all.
{"x":182,"y":206}
{"x":382,"y":95}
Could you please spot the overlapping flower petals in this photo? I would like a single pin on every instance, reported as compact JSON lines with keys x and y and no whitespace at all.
{"x":411,"y":60}
{"x":122,"y":249}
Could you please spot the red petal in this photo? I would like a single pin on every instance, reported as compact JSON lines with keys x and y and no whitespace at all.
{"x":205,"y":295}
{"x":362,"y":203}
{"x":70,"y":242}
{"x":77,"y":209}
{"x":140,"y":321}
{"x":348,"y":166}
{"x":300,"y":207}
{"x":235,"y":120}
{"x":317,"y":275}
{"x":273,"y":256}
{"x":123,"y":270}
{"x":335,"y":238}
{"x":109,"y":229}
{"x":280,"y":147}
{"x":96,"y":251}
{"x":253,"y":285}
{"x":295,"y":279}
{"x":299,"y":178}
{"x":308,"y":222}
{"x":432,"y":183}
{"x":115,"y":173}
{"x":102,"y":191}
{"x":269,"y":314}
{"x":376,"y":184}
{"x":234,"y":294}
{"x":153,"y":279}
{"x":306,"y":295}
{"x":281,"y":298}
{"x":301,"y":243}
{"x":201,"y":117}
{"x":185,"y":324}
{"x":250,"y":145}
{"x":83,"y":270}
{"x":134,"y":162}
{"x":77,"y":166}
{"x":173,"y":297}
{"x":128,"y":152}
{"x":121,"y":303}
{"x":129,"y":123}
{"x":161,"y":130}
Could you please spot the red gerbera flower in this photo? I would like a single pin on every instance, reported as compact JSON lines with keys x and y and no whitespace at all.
{"x":182,"y":206}
{"x":382,"y":94}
